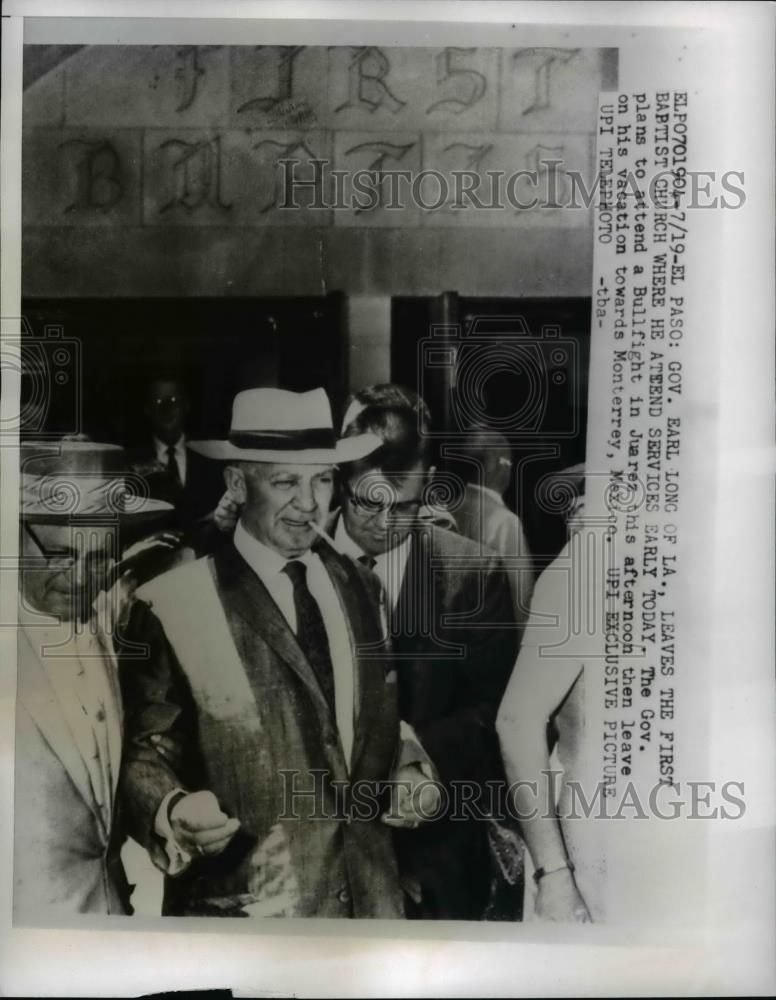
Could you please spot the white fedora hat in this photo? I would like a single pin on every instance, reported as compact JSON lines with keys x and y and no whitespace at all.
{"x":274,"y":425}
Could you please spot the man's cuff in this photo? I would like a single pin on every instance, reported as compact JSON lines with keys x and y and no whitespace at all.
{"x":411,"y":752}
{"x":175,"y":860}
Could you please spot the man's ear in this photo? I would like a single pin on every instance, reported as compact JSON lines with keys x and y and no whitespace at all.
{"x":234,"y":477}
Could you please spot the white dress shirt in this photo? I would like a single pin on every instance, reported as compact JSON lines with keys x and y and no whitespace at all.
{"x":180,"y":455}
{"x":389,"y":566}
{"x":268,"y":565}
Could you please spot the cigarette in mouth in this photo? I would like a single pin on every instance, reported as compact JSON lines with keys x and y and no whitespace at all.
{"x":319,"y":531}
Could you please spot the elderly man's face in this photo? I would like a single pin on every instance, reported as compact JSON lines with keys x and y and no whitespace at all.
{"x":282,"y":502}
{"x":380,"y":510}
{"x":65,"y":567}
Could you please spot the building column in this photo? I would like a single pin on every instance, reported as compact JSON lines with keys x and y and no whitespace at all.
{"x":369,"y":340}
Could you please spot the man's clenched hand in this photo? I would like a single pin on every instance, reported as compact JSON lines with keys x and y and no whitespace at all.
{"x":199,"y":825}
{"x":414,"y":799}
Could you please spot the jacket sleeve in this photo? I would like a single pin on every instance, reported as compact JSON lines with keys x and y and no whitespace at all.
{"x":160,"y":744}
{"x":463,"y":744}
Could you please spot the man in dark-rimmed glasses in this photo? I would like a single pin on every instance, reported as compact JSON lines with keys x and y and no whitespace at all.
{"x":452,"y":625}
{"x":67,"y":567}
{"x":75,"y":510}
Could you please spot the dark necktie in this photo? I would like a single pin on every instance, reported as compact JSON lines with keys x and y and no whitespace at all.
{"x":310,"y":630}
{"x":172,"y":465}
{"x":369,"y":561}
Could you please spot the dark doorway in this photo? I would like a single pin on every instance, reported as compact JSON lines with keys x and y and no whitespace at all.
{"x":516,"y":365}
{"x":92,"y":357}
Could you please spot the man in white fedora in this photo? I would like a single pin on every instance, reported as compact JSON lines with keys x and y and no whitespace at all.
{"x":264,"y":735}
{"x":75,"y":510}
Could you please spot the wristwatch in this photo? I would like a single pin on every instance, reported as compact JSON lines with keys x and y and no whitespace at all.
{"x":541,"y":872}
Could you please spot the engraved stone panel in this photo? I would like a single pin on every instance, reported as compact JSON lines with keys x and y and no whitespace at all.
{"x":550,"y":90}
{"x":529,"y":167}
{"x":149,"y":85}
{"x":278,"y":87}
{"x":81,"y":177}
{"x":372,"y":162}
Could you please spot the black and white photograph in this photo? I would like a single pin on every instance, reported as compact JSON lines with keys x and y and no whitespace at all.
{"x":352,"y":442}
{"x":364,"y":469}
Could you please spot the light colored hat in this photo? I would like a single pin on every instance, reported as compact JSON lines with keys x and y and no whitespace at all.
{"x":274,"y":425}
{"x":65,"y":480}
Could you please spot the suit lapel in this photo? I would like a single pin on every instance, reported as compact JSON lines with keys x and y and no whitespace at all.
{"x":115,"y":732}
{"x":330,"y":524}
{"x":243,"y":594}
{"x":411,"y":617}
{"x":38,"y":696}
{"x":418,"y":629}
{"x":368,"y":661}
{"x":340,"y":574}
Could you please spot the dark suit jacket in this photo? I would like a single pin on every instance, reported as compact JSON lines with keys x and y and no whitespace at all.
{"x":232,"y":721}
{"x":455,"y":643}
{"x":193,"y":501}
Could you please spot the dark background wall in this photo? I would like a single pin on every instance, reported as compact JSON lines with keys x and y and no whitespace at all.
{"x":217,"y":346}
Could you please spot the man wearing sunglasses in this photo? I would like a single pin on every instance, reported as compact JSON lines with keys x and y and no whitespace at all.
{"x":172,"y":471}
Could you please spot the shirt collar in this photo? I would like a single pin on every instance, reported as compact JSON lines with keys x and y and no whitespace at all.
{"x":265,"y":562}
{"x":348,"y":547}
{"x":179,"y":446}
{"x":344,"y":542}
